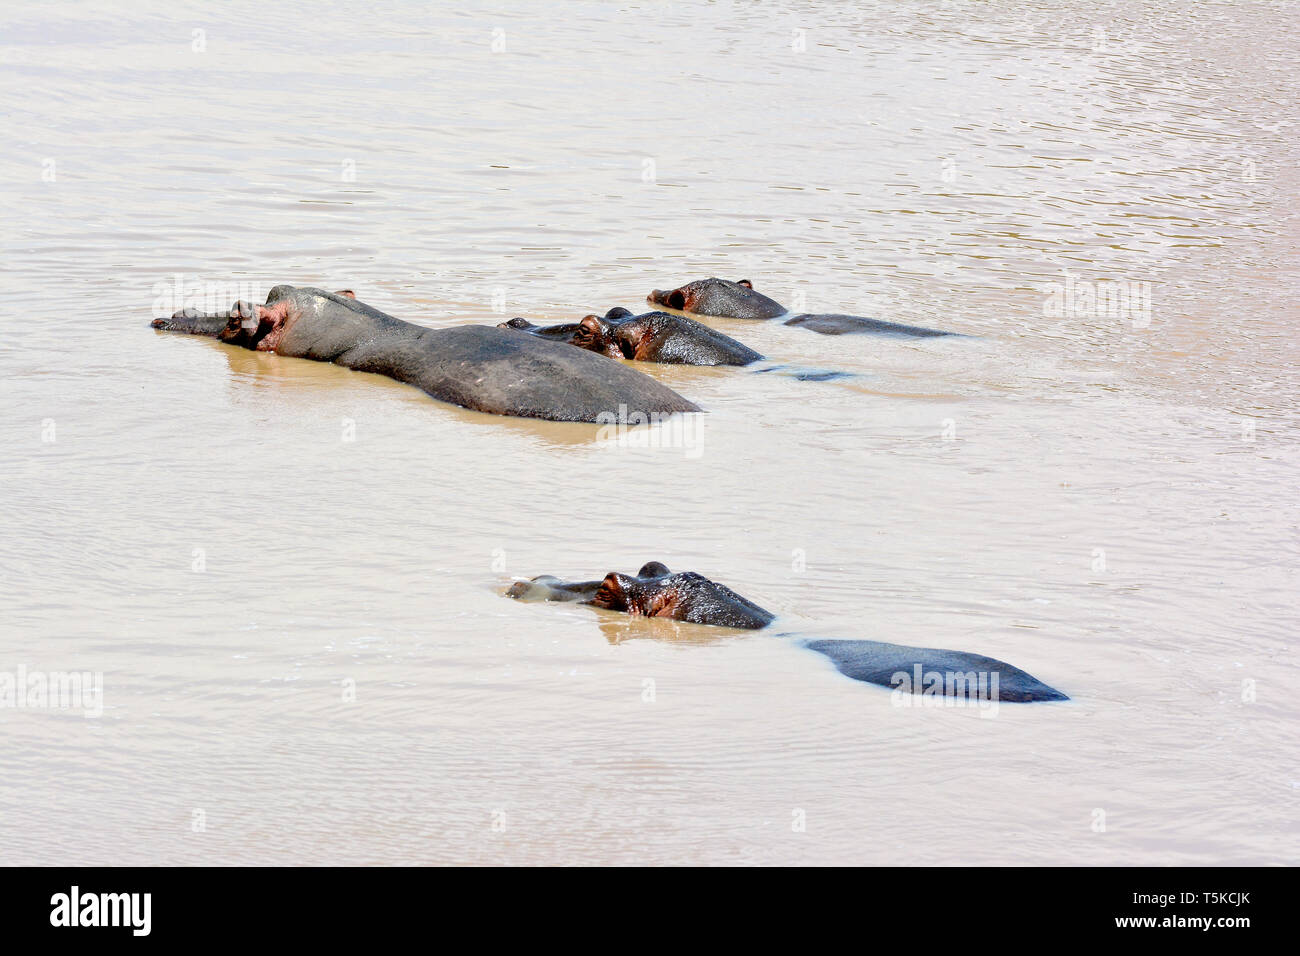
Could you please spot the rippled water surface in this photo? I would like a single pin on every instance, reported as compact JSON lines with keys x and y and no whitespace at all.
{"x":241,"y":544}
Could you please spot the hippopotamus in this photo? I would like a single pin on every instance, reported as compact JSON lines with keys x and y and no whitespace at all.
{"x":650,"y":337}
{"x":661,"y":337}
{"x":725,"y":299}
{"x":475,"y":366}
{"x":654,"y":591}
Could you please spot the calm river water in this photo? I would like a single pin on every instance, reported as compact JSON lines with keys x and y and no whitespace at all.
{"x":289,"y":576}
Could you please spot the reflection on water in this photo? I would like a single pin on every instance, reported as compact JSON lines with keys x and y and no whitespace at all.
{"x":289,"y":574}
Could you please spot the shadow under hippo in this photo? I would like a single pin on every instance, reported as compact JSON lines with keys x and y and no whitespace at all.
{"x":725,"y":299}
{"x":475,"y":366}
{"x":654,"y":591}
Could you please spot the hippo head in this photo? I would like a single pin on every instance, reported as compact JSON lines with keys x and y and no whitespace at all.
{"x":683,"y":596}
{"x":721,"y":298}
{"x":257,"y":327}
{"x":654,"y":591}
{"x":597,"y":335}
{"x":593,"y":333}
{"x":547,"y":587}
{"x":646,"y":593}
{"x":242,"y":324}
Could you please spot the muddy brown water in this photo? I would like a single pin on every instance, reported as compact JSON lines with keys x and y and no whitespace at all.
{"x":289,"y":575}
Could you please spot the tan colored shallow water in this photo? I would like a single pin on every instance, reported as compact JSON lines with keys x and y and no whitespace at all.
{"x":1078,"y":494}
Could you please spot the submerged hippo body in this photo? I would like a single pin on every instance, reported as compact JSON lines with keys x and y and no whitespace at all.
{"x":475,"y":366}
{"x":654,"y":591}
{"x":725,"y":299}
{"x":651,"y":337}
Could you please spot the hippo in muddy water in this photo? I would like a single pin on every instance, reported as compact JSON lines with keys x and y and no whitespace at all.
{"x":654,"y":591}
{"x":476,"y":366}
{"x":725,"y":299}
{"x":662,"y":337}
{"x":651,"y":337}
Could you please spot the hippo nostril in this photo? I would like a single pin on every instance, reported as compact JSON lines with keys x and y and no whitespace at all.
{"x":675,"y":300}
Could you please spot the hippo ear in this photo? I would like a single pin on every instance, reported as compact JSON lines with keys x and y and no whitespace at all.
{"x":346,"y":293}
{"x":653,"y":569}
{"x":746,"y":283}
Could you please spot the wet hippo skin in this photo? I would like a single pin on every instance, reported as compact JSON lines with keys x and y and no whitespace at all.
{"x":650,"y":337}
{"x":661,"y":337}
{"x":479,"y":367}
{"x":727,"y":299}
{"x":654,"y":591}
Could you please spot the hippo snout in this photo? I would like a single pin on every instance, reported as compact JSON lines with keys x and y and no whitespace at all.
{"x":193,"y":322}
{"x":178,"y":321}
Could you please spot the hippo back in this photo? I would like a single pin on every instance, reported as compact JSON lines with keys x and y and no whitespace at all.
{"x":488,"y":369}
{"x":504,"y":373}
